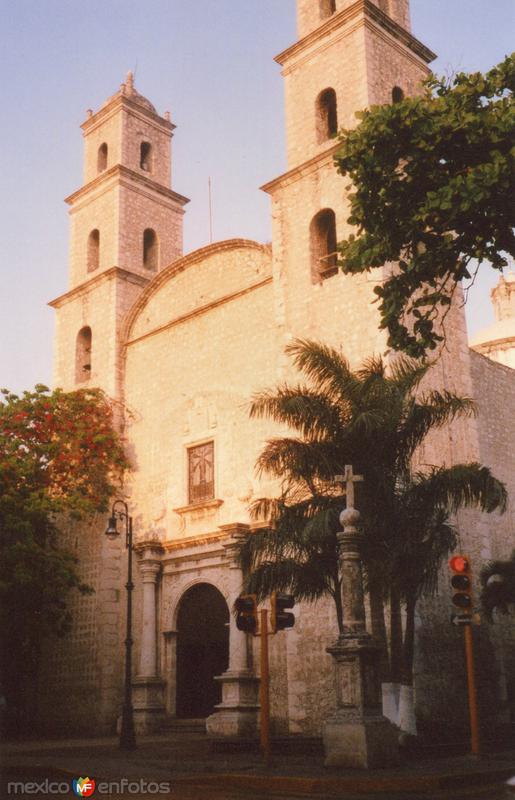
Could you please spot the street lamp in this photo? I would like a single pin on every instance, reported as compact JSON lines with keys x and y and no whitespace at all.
{"x":120,"y":511}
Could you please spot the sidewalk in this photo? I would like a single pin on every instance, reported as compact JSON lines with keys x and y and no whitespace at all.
{"x":185,"y":759}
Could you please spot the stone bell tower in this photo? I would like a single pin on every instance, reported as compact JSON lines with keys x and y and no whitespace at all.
{"x":126,"y":225}
{"x":350,"y":54}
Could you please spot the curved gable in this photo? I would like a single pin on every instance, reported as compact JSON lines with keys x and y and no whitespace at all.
{"x":202,"y":279}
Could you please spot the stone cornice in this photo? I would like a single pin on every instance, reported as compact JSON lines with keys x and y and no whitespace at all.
{"x":96,"y":280}
{"x":235,"y":528}
{"x":194,"y":541}
{"x":135,"y":108}
{"x":360,"y":7}
{"x":120,"y":171}
{"x":192,"y":507}
{"x":504,"y":343}
{"x":153,"y":545}
{"x":179,"y":266}
{"x":306,"y":168}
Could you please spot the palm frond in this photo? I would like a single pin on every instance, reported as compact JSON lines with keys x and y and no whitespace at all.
{"x":451,"y":488}
{"x":296,"y":459}
{"x":327,"y":369}
{"x":305,"y":580}
{"x":406,"y":374}
{"x":310,"y":413}
{"x":431,"y":411}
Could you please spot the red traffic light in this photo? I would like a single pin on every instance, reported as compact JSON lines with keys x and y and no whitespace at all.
{"x":459,"y":564}
{"x":461,"y":583}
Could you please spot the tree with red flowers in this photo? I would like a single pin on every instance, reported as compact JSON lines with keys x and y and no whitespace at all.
{"x":60,"y":457}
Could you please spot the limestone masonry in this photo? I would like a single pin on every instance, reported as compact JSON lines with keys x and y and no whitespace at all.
{"x":183,"y":341}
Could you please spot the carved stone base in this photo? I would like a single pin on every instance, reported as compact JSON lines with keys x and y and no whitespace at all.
{"x":356,"y":734}
{"x":237,"y":715}
{"x":364,"y":744}
{"x":148,"y":704}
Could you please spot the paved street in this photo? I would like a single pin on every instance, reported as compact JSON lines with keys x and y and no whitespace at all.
{"x":192,"y":771}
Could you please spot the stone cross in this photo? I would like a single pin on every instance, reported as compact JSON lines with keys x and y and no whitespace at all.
{"x":349,"y":479}
{"x":356,"y":734}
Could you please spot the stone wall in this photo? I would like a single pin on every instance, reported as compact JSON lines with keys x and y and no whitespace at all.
{"x":97,"y":209}
{"x":200,"y":343}
{"x":101,"y":304}
{"x":80,"y":683}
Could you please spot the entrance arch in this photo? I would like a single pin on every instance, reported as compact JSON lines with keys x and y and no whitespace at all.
{"x":202,"y":650}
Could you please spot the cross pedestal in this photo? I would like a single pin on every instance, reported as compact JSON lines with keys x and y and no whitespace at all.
{"x":356,"y":734}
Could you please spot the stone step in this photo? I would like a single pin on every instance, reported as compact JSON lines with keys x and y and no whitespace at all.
{"x":173,"y":724}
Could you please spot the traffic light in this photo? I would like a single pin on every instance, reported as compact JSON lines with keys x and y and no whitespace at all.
{"x":461,"y":583}
{"x":246,"y":613}
{"x":281,"y":619}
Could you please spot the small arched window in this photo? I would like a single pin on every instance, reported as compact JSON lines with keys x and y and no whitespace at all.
{"x":102,"y":158}
{"x":83,"y":355}
{"x":150,"y":249}
{"x":397,"y":94}
{"x":323,"y":245}
{"x":145,"y":156}
{"x":327,"y":8}
{"x":326,"y":115}
{"x":93,"y":250}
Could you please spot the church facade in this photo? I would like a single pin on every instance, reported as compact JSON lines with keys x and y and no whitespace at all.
{"x":182,"y":342}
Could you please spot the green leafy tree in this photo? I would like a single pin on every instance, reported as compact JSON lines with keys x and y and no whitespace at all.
{"x":432,"y":191}
{"x":498,"y":587}
{"x":60,"y":458}
{"x":374,"y":419}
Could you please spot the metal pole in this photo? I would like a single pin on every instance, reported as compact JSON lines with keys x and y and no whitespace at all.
{"x":127,"y":736}
{"x":210,"y":211}
{"x":264,"y":688}
{"x":472,"y":694}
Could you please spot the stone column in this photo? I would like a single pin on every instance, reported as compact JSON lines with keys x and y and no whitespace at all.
{"x":236,"y":715}
{"x":150,"y":570}
{"x":356,"y":734}
{"x":148,"y":686}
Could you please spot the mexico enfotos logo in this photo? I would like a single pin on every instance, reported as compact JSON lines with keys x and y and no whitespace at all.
{"x":86,"y":787}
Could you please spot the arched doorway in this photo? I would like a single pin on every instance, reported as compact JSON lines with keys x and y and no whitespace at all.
{"x":202,"y":650}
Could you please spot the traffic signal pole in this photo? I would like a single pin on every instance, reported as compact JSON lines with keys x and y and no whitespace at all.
{"x":472,"y":694}
{"x":264,"y":688}
{"x":250,"y":620}
{"x":461,"y":586}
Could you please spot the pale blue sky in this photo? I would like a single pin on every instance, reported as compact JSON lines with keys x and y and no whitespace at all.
{"x":210,"y":62}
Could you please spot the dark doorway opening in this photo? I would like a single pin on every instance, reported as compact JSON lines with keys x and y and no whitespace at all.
{"x":202,"y":650}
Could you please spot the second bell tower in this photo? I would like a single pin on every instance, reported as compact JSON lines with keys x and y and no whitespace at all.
{"x":351,"y":54}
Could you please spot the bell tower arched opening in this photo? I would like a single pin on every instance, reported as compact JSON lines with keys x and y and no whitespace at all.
{"x":83,"y":355}
{"x":150,"y":249}
{"x":102,"y":157}
{"x":323,"y":245}
{"x":202,"y":650}
{"x":326,"y":115}
{"x":327,"y":8}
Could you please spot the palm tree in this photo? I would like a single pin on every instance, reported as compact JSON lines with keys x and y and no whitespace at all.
{"x":498,"y":587}
{"x":373,"y":419}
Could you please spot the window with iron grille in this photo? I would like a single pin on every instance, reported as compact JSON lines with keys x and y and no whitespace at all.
{"x":201,"y":473}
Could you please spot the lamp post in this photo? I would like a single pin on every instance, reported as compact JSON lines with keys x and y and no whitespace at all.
{"x":120,"y":511}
